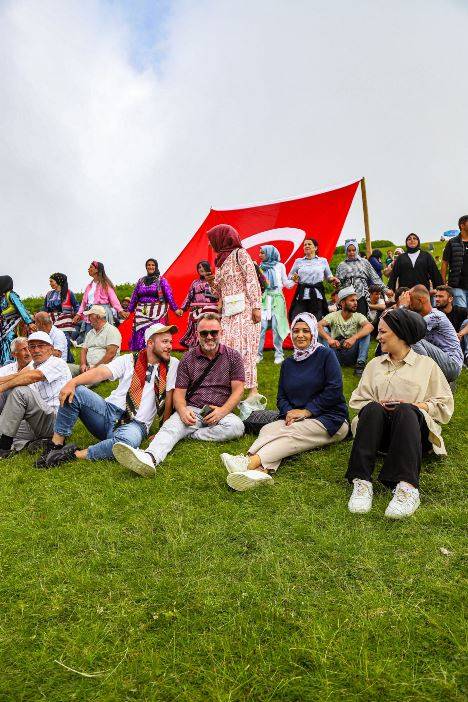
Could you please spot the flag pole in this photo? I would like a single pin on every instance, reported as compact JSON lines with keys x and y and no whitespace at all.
{"x":366,"y":217}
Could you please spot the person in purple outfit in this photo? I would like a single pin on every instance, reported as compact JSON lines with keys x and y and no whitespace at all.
{"x":200,"y":298}
{"x":150,"y":301}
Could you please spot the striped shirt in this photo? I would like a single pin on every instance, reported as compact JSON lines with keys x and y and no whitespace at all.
{"x":311,"y":271}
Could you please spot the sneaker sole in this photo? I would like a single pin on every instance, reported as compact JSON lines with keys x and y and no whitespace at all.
{"x":400,"y":516}
{"x":241,"y":482}
{"x":125,"y":456}
{"x":230,"y":470}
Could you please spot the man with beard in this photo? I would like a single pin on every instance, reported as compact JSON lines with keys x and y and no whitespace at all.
{"x":444,"y":298}
{"x":146,"y":381}
{"x":348,"y":331}
{"x":210,"y":383}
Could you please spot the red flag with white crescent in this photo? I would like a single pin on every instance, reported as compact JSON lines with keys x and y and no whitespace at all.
{"x":285,"y":224}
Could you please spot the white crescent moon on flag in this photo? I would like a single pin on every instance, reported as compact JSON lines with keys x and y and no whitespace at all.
{"x":294,"y":236}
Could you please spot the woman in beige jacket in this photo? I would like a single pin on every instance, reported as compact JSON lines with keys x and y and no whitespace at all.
{"x":402,"y":399}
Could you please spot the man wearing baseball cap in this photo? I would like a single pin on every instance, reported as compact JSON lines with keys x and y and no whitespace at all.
{"x":33,"y":394}
{"x":146,"y":383}
{"x":102,"y":343}
{"x":349,"y":331}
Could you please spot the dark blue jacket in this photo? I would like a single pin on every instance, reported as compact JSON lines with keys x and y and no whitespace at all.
{"x":315,"y":384}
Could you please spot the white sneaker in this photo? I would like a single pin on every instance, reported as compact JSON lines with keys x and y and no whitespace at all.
{"x":360,"y":501}
{"x":279,"y":359}
{"x":259,"y":359}
{"x":137,"y":460}
{"x":248,"y":479}
{"x":404,"y":503}
{"x":235,"y":464}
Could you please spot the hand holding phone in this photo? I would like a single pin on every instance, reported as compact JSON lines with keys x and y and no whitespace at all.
{"x":390,"y":404}
{"x":205,"y":411}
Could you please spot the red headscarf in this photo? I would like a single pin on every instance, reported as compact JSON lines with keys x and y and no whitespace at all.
{"x":224,"y":239}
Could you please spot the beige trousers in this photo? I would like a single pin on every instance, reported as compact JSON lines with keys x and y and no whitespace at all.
{"x":276,"y":440}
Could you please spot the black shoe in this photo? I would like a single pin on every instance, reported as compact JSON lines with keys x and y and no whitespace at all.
{"x":6,"y":453}
{"x":359,"y":369}
{"x":47,"y":446}
{"x":42,"y":445}
{"x":57,"y":456}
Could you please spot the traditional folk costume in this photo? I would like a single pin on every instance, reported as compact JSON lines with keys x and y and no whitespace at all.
{"x":12,"y":312}
{"x":200,"y":299}
{"x":150,"y":301}
{"x":62,"y":304}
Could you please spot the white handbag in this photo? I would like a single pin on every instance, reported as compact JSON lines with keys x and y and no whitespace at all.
{"x":233,"y":304}
{"x":246,"y":407}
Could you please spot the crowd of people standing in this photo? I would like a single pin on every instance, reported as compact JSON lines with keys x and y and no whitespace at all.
{"x":405,"y":393}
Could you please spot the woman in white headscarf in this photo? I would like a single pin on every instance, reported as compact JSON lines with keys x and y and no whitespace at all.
{"x":312,"y":408}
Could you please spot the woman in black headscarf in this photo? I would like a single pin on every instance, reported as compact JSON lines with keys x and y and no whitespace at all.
{"x":150,"y":301}
{"x":402,"y":398}
{"x":415,"y":267}
{"x":12,"y":311}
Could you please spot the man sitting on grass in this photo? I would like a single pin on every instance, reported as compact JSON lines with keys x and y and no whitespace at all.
{"x":102,"y":343}
{"x":441,"y":342}
{"x":349,"y":330}
{"x":43,"y":323}
{"x":210,"y":383}
{"x":20,"y":352}
{"x":146,"y":381}
{"x":458,"y":316}
{"x":33,"y":394}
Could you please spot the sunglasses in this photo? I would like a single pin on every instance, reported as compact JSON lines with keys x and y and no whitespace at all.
{"x":212,"y":332}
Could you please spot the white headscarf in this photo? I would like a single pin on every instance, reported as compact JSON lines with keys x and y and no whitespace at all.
{"x":309,"y":319}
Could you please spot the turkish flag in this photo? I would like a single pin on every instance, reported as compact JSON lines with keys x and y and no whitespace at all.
{"x":284,"y":224}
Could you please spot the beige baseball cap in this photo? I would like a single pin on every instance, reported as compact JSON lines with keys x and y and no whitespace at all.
{"x":159,"y":328}
{"x":96,"y":309}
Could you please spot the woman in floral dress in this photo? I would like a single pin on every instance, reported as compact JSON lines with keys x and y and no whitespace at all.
{"x":200,"y":299}
{"x":150,"y":301}
{"x":237,"y":286}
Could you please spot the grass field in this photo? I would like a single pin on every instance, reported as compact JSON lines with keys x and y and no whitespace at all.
{"x":178,"y":589}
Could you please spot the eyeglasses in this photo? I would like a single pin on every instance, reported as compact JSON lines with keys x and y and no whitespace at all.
{"x":212,"y":332}
{"x":149,"y":373}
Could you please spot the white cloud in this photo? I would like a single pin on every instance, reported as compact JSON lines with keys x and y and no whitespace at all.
{"x":253,"y":101}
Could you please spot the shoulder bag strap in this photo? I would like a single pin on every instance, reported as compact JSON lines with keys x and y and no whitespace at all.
{"x":193,"y":387}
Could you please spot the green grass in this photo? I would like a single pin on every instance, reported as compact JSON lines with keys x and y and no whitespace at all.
{"x":178,"y":589}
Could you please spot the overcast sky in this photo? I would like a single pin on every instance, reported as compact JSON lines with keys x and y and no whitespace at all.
{"x":122,"y":122}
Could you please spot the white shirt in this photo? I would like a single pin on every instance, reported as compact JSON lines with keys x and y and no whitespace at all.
{"x":281,"y":278}
{"x":11,"y":368}
{"x":311,"y":271}
{"x":122,"y":370}
{"x":92,"y":293}
{"x":59,"y":341}
{"x":413,"y":256}
{"x":56,"y":374}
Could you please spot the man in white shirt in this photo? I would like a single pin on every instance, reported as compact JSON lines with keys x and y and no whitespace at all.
{"x":146,"y":383}
{"x":33,"y":394}
{"x":102,"y":343}
{"x":20,"y":352}
{"x":43,"y":323}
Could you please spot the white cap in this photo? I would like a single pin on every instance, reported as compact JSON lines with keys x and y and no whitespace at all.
{"x":345,"y":292}
{"x":159,"y":328}
{"x":40,"y":336}
{"x":96,"y":309}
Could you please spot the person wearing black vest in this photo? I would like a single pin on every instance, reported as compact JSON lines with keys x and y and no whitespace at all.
{"x":455,"y":259}
{"x":415,"y":267}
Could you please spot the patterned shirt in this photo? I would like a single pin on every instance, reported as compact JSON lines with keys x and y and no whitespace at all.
{"x":216,"y":387}
{"x":359,"y":274}
{"x":311,"y":271}
{"x":56,"y":374}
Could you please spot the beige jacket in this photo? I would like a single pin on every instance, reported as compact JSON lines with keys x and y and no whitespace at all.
{"x":416,"y":379}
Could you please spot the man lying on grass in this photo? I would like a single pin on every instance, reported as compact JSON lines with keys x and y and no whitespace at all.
{"x":210,"y":383}
{"x":146,"y":381}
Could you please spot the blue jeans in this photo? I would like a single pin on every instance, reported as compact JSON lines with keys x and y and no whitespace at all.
{"x":99,"y":418}
{"x":277,"y":340}
{"x":356,"y":354}
{"x":460,"y":297}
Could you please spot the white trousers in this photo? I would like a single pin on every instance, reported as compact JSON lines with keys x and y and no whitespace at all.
{"x":174,"y":430}
{"x":276,"y":440}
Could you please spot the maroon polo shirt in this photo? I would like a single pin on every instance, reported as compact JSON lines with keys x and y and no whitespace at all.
{"x":216,"y":387}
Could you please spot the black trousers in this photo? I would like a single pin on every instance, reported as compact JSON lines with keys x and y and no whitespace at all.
{"x":401,"y":433}
{"x":314,"y":307}
{"x":362,"y":306}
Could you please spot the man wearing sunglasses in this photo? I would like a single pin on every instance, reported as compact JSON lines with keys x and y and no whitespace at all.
{"x":33,"y":394}
{"x":210,"y":383}
{"x":146,"y":384}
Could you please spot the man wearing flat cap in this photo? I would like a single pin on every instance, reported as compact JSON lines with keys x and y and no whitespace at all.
{"x":33,"y":394}
{"x":347,"y":331}
{"x":146,"y":383}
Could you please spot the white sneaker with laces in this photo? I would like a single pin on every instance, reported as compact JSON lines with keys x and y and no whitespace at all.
{"x":235,"y":464}
{"x":279,"y":359}
{"x":404,"y":503}
{"x":360,"y":501}
{"x":248,"y":479}
{"x":138,"y":461}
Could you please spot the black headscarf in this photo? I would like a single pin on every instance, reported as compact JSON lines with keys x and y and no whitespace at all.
{"x":407,"y":325}
{"x":377,"y":254}
{"x":412,"y":249}
{"x":6,"y":284}
{"x":62,"y":280}
{"x":205,"y":264}
{"x":150,"y":279}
